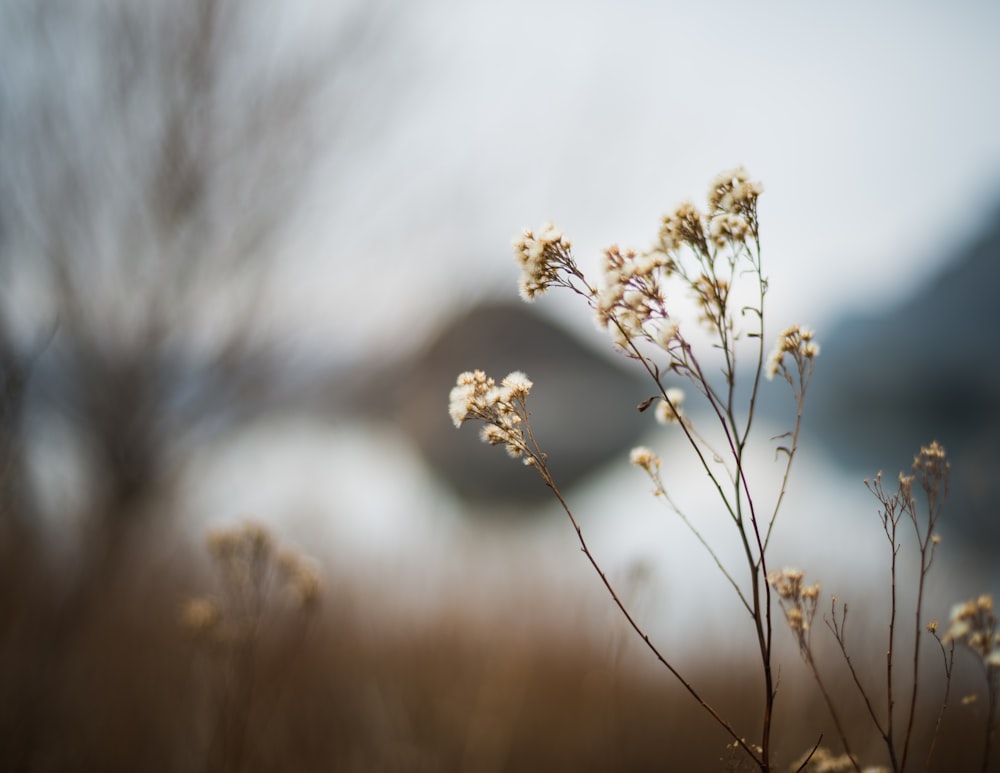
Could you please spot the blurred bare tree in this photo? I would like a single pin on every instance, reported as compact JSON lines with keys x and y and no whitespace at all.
{"x":153,"y":157}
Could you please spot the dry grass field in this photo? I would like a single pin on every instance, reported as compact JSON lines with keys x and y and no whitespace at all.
{"x":99,"y":671}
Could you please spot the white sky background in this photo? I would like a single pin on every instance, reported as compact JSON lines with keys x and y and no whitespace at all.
{"x":873,"y":127}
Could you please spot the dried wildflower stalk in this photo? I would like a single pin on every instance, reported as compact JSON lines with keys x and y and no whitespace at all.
{"x":800,"y":603}
{"x":972,"y":623}
{"x":932,"y":467}
{"x":256,"y":580}
{"x":714,"y":259}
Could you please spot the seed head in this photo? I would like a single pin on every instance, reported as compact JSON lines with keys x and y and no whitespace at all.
{"x":668,"y":411}
{"x":799,"y":343}
{"x":542,"y":256}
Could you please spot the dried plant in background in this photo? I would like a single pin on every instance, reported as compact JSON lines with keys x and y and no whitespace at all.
{"x":972,"y":622}
{"x":974,"y":625}
{"x":259,"y":585}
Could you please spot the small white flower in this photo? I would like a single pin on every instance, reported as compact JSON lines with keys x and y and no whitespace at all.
{"x":666,"y":332}
{"x":460,"y":400}
{"x":517,"y":385}
{"x":669,"y":411}
{"x":797,"y":341}
{"x":643,"y":457}
{"x":541,"y":257}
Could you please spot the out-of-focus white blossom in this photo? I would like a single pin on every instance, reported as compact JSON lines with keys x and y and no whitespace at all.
{"x":974,"y":624}
{"x":798,"y":601}
{"x":643,"y":457}
{"x":668,"y":411}
{"x":541,"y":256}
{"x":796,"y":341}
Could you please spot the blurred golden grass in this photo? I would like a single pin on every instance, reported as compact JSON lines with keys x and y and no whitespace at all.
{"x":100,"y":674}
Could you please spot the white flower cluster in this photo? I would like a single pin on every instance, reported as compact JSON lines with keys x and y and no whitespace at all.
{"x":243,"y":554}
{"x":668,"y":411}
{"x":501,"y":408}
{"x":641,"y":456}
{"x":685,"y":225}
{"x":632,"y":302}
{"x":727,"y":228}
{"x":733,"y":192}
{"x":254,"y":574}
{"x":731,"y":217}
{"x":933,"y":467}
{"x":797,"y":600}
{"x":541,"y":255}
{"x":796,"y":341}
{"x":787,"y":582}
{"x":974,"y":624}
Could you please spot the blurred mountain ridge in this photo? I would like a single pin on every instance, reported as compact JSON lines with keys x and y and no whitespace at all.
{"x":896,"y":378}
{"x":583,"y":404}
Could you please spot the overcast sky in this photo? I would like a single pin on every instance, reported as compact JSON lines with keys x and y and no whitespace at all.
{"x":873,"y":127}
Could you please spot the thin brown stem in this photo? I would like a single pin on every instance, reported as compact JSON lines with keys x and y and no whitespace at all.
{"x":992,"y":689}
{"x":810,"y":755}
{"x":804,"y":377}
{"x":916,"y":668}
{"x":547,"y":478}
{"x":662,"y":492}
{"x":840,"y":635}
{"x":831,"y":707}
{"x":949,"y":662}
